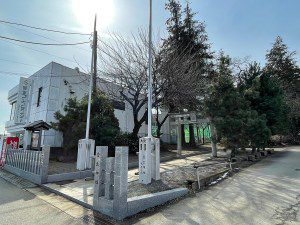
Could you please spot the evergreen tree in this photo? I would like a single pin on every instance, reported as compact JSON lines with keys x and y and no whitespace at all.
{"x":239,"y":111}
{"x":265,"y":97}
{"x":187,"y":36}
{"x":174,"y":27}
{"x":72,"y":123}
{"x":271,"y":103}
{"x":226,"y":108}
{"x":187,"y":39}
{"x":257,"y":130}
{"x":282,"y":66}
{"x":195,"y":39}
{"x":281,"y":63}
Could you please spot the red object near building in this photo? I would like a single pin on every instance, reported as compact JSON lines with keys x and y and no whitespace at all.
{"x":13,"y":142}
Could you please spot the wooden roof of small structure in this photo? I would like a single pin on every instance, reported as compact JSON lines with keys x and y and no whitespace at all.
{"x":38,"y":125}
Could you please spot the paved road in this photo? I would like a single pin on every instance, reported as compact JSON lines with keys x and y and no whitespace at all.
{"x":18,"y":206}
{"x":265,"y":193}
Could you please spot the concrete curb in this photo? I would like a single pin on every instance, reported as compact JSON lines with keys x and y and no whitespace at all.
{"x":69,"y":176}
{"x":141,"y":203}
{"x":86,"y":205}
{"x":16,"y":180}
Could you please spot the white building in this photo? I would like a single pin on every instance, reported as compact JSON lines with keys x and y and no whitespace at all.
{"x":38,"y":97}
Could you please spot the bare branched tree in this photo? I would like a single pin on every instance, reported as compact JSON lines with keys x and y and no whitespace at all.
{"x":180,"y":86}
{"x":124,"y":64}
{"x":239,"y":65}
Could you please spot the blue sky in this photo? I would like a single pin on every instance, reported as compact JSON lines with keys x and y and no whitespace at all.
{"x":239,"y":27}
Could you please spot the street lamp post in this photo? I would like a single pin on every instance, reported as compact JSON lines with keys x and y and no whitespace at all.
{"x":86,"y":147}
{"x":150,"y":74}
{"x":149,"y":147}
{"x":92,"y":79}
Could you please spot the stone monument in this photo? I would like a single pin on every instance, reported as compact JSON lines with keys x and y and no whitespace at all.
{"x":86,"y":148}
{"x":149,"y":159}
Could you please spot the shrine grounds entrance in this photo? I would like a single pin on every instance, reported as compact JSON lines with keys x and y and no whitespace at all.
{"x":189,"y":130}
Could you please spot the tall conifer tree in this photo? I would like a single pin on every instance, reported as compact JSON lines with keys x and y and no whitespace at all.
{"x":282,"y":66}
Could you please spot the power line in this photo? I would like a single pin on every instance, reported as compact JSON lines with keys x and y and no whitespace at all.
{"x":40,"y":51}
{"x":26,"y":74}
{"x":40,"y":28}
{"x":44,"y":37}
{"x":13,"y":73}
{"x":38,"y":43}
{"x":11,"y":61}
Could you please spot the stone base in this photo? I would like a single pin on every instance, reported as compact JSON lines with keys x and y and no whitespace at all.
{"x":257,"y":155}
{"x":264,"y":153}
{"x":144,"y":202}
{"x":251,"y":158}
{"x":270,"y":151}
{"x":86,"y":148}
{"x":149,"y":160}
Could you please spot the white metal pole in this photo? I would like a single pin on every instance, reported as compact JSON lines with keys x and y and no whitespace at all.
{"x":150,"y":75}
{"x":87,"y":131}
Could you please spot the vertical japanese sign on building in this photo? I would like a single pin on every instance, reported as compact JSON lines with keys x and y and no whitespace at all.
{"x":10,"y":143}
{"x":1,"y":143}
{"x":2,"y":154}
{"x":22,"y":101}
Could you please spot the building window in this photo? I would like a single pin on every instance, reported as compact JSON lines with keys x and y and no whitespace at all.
{"x":13,"y":110}
{"x":39,"y":97}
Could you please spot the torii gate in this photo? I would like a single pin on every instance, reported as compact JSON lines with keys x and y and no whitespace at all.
{"x":186,"y":118}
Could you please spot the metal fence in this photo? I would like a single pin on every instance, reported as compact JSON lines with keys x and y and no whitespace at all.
{"x":29,"y":164}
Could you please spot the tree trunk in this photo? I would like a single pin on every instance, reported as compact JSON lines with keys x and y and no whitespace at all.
{"x":183,"y":136}
{"x":253,"y":150}
{"x":138,"y":123}
{"x":233,"y":152}
{"x":214,"y":148}
{"x":160,"y":124}
{"x":198,"y":136}
{"x":158,"y":131}
{"x":137,"y":126}
{"x":192,"y":135}
{"x":136,"y":129}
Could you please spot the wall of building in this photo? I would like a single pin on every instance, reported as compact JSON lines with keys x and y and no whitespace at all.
{"x":59,"y":83}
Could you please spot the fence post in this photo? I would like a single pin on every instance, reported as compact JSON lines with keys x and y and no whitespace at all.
{"x":109,"y":178}
{"x":99,"y":173}
{"x":120,"y":183}
{"x":145,"y":160}
{"x":156,"y":160}
{"x":44,"y":163}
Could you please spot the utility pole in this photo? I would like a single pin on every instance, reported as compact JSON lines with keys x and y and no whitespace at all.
{"x":93,"y":78}
{"x":150,"y":75}
{"x":86,"y":147}
{"x":95,"y":45}
{"x":149,"y":147}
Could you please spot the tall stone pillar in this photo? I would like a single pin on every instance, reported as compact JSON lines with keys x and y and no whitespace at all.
{"x":149,"y":160}
{"x":214,"y":152}
{"x":86,"y":148}
{"x":179,"y":137}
